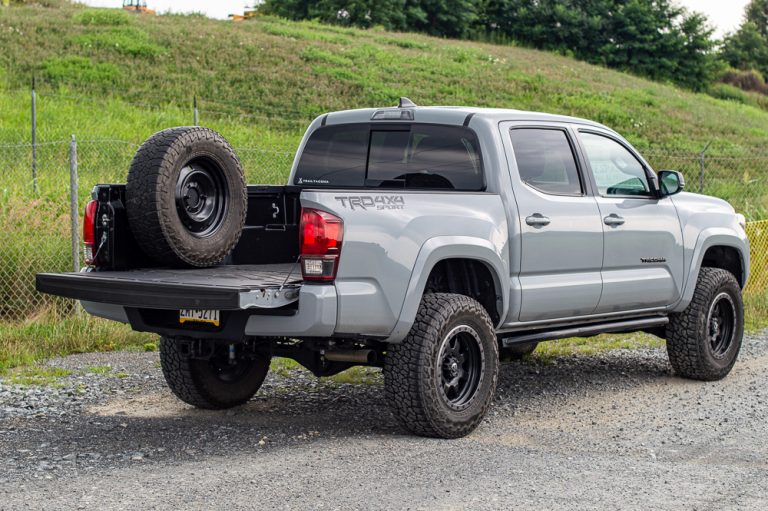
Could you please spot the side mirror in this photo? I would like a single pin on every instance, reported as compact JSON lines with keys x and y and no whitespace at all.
{"x":671,"y":182}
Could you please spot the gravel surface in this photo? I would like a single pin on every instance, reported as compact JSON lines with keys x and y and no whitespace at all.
{"x":615,"y":430}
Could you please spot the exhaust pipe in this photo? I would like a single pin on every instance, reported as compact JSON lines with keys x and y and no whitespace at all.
{"x":353,"y":356}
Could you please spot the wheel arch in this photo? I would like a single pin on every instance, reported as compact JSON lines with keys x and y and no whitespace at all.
{"x":443,"y":255}
{"x":717,"y":248}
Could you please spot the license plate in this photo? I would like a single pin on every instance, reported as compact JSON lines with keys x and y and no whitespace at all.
{"x":209,"y":316}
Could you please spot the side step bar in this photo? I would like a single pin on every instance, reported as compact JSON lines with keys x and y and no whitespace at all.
{"x":629,"y":325}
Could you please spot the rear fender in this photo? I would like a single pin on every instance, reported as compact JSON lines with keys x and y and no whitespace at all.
{"x":440,"y":248}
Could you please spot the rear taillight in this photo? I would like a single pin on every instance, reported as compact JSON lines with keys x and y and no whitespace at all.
{"x":89,"y":232}
{"x":321,"y":237}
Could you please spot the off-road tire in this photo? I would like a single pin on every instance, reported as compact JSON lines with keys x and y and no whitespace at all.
{"x":159,"y":223}
{"x":413,"y":371}
{"x":517,"y":351}
{"x":195,"y":381}
{"x":688,"y":333}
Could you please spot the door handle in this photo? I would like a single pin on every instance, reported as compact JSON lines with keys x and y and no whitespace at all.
{"x":537,"y":220}
{"x":613,"y":220}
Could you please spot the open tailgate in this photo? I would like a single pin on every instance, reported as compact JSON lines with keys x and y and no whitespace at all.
{"x":229,"y":287}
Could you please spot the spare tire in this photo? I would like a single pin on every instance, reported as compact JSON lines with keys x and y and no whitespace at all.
{"x":186,"y":197}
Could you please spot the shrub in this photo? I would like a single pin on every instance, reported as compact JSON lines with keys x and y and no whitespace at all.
{"x":750,"y":80}
{"x":80,"y":71}
{"x":728,"y":93}
{"x":103,"y":17}
{"x":124,"y":40}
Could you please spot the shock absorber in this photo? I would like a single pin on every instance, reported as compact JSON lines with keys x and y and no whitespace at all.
{"x":232,"y":359}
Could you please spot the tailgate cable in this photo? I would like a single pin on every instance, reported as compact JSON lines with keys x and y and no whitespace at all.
{"x":103,"y":241}
{"x":289,"y":274}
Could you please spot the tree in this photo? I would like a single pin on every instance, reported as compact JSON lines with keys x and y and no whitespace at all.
{"x":757,"y":12}
{"x":653,"y":38}
{"x":444,"y":18}
{"x":747,"y":49}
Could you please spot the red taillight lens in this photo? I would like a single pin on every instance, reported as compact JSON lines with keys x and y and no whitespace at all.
{"x":321,"y":237}
{"x":89,"y":232}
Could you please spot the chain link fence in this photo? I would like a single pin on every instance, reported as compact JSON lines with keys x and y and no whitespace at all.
{"x":35,"y":211}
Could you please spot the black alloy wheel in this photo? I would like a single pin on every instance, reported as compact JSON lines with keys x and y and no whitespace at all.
{"x":721,"y":324}
{"x":461,"y":366}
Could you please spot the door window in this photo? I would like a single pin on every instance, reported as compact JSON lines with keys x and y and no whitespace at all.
{"x":616,"y":170}
{"x":545,"y":160}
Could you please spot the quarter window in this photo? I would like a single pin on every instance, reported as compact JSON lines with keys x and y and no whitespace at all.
{"x":616,"y":170}
{"x":545,"y":161}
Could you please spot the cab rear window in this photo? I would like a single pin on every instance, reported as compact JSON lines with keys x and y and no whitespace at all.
{"x":415,"y":156}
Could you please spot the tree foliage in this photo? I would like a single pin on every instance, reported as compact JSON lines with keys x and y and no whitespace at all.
{"x":747,"y":48}
{"x":653,"y":38}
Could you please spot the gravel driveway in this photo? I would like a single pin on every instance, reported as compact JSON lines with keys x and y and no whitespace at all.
{"x":615,"y":430}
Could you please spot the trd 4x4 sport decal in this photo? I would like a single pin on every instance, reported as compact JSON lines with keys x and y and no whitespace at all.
{"x":372,"y":201}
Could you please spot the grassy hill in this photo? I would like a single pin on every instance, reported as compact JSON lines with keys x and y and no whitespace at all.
{"x":106,"y":73}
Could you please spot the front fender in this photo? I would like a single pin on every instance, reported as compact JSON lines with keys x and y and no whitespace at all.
{"x":712,"y":237}
{"x":440,"y":248}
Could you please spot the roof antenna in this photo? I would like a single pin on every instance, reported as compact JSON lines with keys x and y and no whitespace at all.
{"x":406,"y":103}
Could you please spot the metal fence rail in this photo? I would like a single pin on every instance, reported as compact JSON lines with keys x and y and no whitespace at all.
{"x":38,"y":213}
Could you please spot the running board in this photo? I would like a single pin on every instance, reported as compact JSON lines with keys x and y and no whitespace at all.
{"x":630,"y":325}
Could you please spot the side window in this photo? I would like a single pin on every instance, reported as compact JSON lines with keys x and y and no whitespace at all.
{"x":616,"y":170}
{"x":545,"y":160}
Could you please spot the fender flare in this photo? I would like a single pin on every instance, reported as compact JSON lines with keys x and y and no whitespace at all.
{"x":438,"y":249}
{"x":711,"y":237}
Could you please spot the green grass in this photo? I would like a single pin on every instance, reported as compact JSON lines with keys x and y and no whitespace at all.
{"x":293,"y":71}
{"x":355,"y":375}
{"x":49,"y":335}
{"x":36,"y":375}
{"x":98,"y":369}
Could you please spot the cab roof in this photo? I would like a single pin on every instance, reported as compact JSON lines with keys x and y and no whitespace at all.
{"x":457,"y":115}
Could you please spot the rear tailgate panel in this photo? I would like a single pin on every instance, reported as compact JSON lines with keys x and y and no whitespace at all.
{"x":221,"y":287}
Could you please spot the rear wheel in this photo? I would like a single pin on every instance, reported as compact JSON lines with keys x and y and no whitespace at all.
{"x":704,"y":340}
{"x":517,"y":351}
{"x":212,"y":383}
{"x":440,"y":380}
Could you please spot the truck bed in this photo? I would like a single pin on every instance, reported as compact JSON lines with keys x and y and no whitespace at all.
{"x":227,"y":287}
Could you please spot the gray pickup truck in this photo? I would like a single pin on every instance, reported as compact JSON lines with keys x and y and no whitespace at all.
{"x":430,"y":241}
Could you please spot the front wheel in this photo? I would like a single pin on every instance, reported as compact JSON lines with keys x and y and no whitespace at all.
{"x":212,"y":383}
{"x":704,"y":340}
{"x":440,"y":380}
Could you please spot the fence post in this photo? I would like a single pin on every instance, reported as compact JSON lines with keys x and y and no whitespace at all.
{"x":73,"y":209}
{"x":702,"y":155}
{"x":34,"y":137}
{"x":194,"y":106}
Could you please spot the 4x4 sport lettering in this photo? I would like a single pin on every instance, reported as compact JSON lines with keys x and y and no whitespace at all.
{"x":372,"y":201}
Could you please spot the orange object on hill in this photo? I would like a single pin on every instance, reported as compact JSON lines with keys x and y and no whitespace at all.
{"x":138,"y":6}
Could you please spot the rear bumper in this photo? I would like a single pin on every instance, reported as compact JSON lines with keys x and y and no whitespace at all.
{"x":315,"y":316}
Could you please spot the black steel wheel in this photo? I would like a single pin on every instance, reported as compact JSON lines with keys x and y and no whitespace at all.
{"x":217,"y":382}
{"x":186,"y":197}
{"x":704,"y":340}
{"x":440,"y":380}
{"x":201,"y":196}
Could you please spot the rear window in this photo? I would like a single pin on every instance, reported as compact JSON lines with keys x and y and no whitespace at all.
{"x":417,"y":156}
